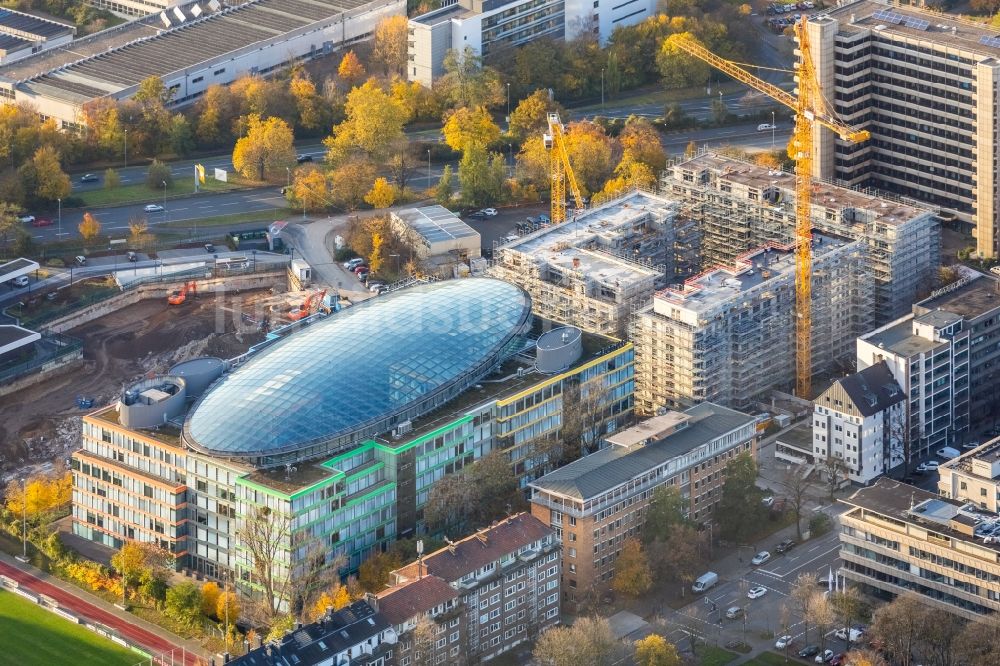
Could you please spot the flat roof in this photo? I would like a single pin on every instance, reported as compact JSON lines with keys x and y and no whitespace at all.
{"x":15,"y":337}
{"x":977,"y":296}
{"x":455,"y":11}
{"x":800,"y":437}
{"x":950,"y":32}
{"x":603,"y":470}
{"x":17,"y":268}
{"x":13,"y":22}
{"x":436,"y":224}
{"x":883,"y":208}
{"x":899,"y":339}
{"x":293,"y":478}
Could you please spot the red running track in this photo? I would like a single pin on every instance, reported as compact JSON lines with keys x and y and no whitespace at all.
{"x":151,"y":642}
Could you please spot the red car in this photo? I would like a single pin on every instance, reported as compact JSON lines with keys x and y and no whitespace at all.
{"x":838,"y":660}
{"x":42,"y":222}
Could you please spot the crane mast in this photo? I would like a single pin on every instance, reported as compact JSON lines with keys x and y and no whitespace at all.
{"x":810,"y":109}
{"x":560,"y":170}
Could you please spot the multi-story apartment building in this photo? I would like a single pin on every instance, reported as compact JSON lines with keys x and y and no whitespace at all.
{"x":860,"y":421}
{"x":728,"y":334}
{"x":593,"y":271}
{"x":925,"y":85}
{"x":488,"y":26}
{"x":341,"y":474}
{"x":506,"y":578}
{"x":597,"y":502}
{"x":896,"y":538}
{"x":353,"y":636}
{"x":944,"y":355}
{"x":973,"y":477}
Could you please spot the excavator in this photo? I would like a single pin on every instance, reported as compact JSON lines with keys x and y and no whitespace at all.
{"x":308,"y":306}
{"x":178,"y":296}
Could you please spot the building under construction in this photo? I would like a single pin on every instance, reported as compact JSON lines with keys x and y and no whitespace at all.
{"x":727,"y":334}
{"x":595,"y":270}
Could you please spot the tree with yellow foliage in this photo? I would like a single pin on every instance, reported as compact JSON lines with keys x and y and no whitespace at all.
{"x":350,"y":182}
{"x":767,"y":160}
{"x":89,"y":227}
{"x":310,"y":189}
{"x":530,"y":116}
{"x":632,"y":575}
{"x":266,"y":150}
{"x":375,"y":259}
{"x":210,"y":593}
{"x":390,"y":43}
{"x":134,"y":559}
{"x":336,"y":597}
{"x":465,"y":128}
{"x":691,"y":150}
{"x":382,"y":194}
{"x":39,"y":495}
{"x":654,"y":650}
{"x":351,"y":70}
{"x":307,"y":101}
{"x":227,"y":607}
{"x":374,"y":122}
{"x":640,"y":142}
{"x":138,"y":232}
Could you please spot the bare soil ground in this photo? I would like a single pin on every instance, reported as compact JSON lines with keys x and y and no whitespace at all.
{"x":148,"y":337}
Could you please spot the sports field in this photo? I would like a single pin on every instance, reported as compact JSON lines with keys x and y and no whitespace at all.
{"x":33,"y":636}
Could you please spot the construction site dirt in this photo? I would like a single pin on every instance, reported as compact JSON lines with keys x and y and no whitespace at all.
{"x":41,"y":425}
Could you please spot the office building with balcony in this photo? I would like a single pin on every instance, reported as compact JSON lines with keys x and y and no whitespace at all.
{"x":429,"y":379}
{"x":925,"y":85}
{"x":597,"y":502}
{"x":897,"y":538}
{"x":973,"y":477}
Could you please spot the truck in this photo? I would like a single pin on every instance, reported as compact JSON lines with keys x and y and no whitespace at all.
{"x":705,"y":582}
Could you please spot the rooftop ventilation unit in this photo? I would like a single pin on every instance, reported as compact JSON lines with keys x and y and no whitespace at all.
{"x":165,"y":19}
{"x":179,"y":14}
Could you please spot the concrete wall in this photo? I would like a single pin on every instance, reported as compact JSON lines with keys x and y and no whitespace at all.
{"x":62,"y":365}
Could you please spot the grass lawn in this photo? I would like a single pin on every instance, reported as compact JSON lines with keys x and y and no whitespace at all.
{"x":139,"y":193}
{"x":233,"y":218}
{"x":43,"y":638}
{"x":710,"y":655}
{"x":772,"y":659}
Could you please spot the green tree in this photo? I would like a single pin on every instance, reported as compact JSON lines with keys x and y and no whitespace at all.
{"x":666,"y":509}
{"x":183,"y":603}
{"x":467,"y":83}
{"x":266,"y":151}
{"x":445,"y":188}
{"x":153,"y":586}
{"x":180,"y":135}
{"x":740,"y":510}
{"x":111,"y":179}
{"x":632,"y":575}
{"x":9,"y":224}
{"x":679,"y":556}
{"x":481,"y":177}
{"x":157,"y":174}
{"x":529,"y":117}
{"x":654,"y":650}
{"x":373,"y":574}
{"x":136,"y":560}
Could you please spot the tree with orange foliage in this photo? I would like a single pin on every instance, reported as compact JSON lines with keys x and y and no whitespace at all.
{"x":89,"y":227}
{"x":336,"y":597}
{"x":210,"y":594}
{"x":351,"y":70}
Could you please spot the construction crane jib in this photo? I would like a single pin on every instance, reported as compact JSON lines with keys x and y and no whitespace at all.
{"x":810,"y":108}
{"x":560,"y":170}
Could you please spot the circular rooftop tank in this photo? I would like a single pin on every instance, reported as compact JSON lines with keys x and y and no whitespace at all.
{"x":558,"y":349}
{"x":152,"y":402}
{"x":199,"y":373}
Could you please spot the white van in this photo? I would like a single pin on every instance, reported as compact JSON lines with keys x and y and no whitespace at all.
{"x":705,"y":582}
{"x":764,"y":127}
{"x":948,"y":453}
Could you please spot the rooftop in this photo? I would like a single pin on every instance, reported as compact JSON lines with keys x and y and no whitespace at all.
{"x":800,"y":437}
{"x":15,"y":268}
{"x":355,"y":370}
{"x":872,"y":390}
{"x":455,"y":11}
{"x":13,"y":337}
{"x":320,"y":642}
{"x":908,"y":504}
{"x":986,"y":458}
{"x":474,"y":552}
{"x":975,"y":295}
{"x":882,"y":208}
{"x":31,"y":27}
{"x":290,"y":479}
{"x":898,"y":338}
{"x":948,"y":31}
{"x":717,"y":286}
{"x":408,"y":600}
{"x":436,"y":224}
{"x":603,"y":470}
{"x":168,"y":433}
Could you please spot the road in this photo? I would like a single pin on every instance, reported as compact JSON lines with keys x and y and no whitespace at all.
{"x":80,"y":606}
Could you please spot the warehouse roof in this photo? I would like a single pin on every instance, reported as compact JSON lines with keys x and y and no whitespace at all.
{"x":375,"y":360}
{"x":436,"y":224}
{"x":602,"y":471}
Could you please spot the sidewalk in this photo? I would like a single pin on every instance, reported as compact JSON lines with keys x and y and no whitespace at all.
{"x":98,"y":610}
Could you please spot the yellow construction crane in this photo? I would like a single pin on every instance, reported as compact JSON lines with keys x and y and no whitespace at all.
{"x":560,"y":170}
{"x":810,"y":108}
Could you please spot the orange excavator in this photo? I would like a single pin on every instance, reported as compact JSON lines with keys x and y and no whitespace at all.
{"x":308,"y":306}
{"x":178,"y":296}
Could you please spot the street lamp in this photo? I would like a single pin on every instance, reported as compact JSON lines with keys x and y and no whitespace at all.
{"x":60,"y":217}
{"x":772,"y":131}
{"x":125,"y":151}
{"x":428,"y":168}
{"x":24,"y":520}
{"x":289,"y":181}
{"x":508,"y":106}
{"x":602,"y":88}
{"x":164,"y":183}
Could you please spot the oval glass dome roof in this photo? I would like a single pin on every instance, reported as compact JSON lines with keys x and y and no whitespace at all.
{"x":358,"y":367}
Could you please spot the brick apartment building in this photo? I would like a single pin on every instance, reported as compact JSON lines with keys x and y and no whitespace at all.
{"x":485,"y":594}
{"x":594,"y":504}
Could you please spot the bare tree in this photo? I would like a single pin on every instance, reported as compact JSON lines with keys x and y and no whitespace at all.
{"x":801,"y":598}
{"x":584,"y":409}
{"x":836,"y":471}
{"x":821,"y":615}
{"x":899,"y":626}
{"x":847,"y":606}
{"x":588,"y":641}
{"x":940,"y":638}
{"x":314,"y":574}
{"x":797,"y":487}
{"x":422,"y":638}
{"x":978,"y":644}
{"x":265,"y":534}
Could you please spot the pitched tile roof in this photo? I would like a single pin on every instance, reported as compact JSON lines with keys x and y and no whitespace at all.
{"x":474,"y":552}
{"x":410,"y":599}
{"x":873,"y":389}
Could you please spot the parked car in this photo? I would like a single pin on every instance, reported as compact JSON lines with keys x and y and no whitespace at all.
{"x":353,"y":263}
{"x":838,"y":659}
{"x":132,"y":256}
{"x":808,"y":651}
{"x":89,"y":178}
{"x":855,"y":634}
{"x":20,"y":281}
{"x":362,"y":274}
{"x":947,"y":452}
{"x":543,"y":219}
{"x":26,"y":219}
{"x":42,"y":222}
{"x":968,"y":446}
{"x":734,"y":612}
{"x":375,"y":287}
{"x":760,"y":558}
{"x":489,"y":212}
{"x":756,"y":592}
{"x":80,"y":260}
{"x":784,"y":546}
{"x":302,"y":159}
{"x":360,"y":267}
{"x":929,"y":466}
{"x":783,"y":642}
{"x":153,"y":208}
{"x":476,"y":215}
{"x":765,"y":127}
{"x":824,"y":656}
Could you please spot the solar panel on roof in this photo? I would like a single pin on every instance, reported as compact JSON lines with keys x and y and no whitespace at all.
{"x":986,"y":40}
{"x":887,"y":15}
{"x":919,"y":24}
